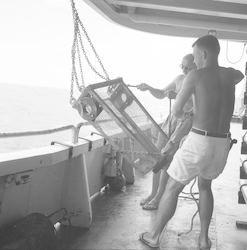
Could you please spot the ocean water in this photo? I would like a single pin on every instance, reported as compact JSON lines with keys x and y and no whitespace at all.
{"x":33,"y":108}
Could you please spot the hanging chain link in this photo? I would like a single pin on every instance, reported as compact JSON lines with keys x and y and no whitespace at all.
{"x":126,"y":151}
{"x":77,"y":44}
{"x":137,"y":152}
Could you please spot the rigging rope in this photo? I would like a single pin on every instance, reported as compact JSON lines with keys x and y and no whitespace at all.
{"x":75,"y":50}
{"x":228,"y":51}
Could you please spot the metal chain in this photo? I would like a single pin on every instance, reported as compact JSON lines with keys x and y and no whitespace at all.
{"x":116,"y":140}
{"x":80,"y":88}
{"x":76,"y":48}
{"x":106,"y":77}
{"x":136,"y":152}
{"x":73,"y":51}
{"x":77,"y":44}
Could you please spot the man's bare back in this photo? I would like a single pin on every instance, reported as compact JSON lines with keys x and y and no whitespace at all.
{"x":213,"y":91}
{"x":214,"y":98}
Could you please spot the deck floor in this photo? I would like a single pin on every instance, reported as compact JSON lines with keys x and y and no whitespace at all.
{"x":118,"y":219}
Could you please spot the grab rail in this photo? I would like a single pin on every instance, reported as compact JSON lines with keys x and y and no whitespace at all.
{"x":75,"y":130}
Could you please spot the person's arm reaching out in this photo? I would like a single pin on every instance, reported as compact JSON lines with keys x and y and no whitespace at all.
{"x":158,"y":93}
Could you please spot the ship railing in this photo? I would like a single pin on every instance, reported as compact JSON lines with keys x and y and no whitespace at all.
{"x":60,"y":175}
{"x":75,"y":129}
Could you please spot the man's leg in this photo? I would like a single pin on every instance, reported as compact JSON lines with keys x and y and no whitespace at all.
{"x":154,"y":203}
{"x":155,"y":186}
{"x":167,"y":208}
{"x":206,"y":205}
{"x":161,"y":142}
{"x":178,"y":134}
{"x":163,"y":182}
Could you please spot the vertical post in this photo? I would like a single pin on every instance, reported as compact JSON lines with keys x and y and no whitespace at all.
{"x":76,"y":198}
{"x":170,"y":118}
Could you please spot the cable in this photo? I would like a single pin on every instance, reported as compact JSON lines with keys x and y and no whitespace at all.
{"x":243,"y":185}
{"x":243,"y":137}
{"x":227,"y":54}
{"x":196,"y":200}
{"x":189,"y":193}
{"x":197,"y":203}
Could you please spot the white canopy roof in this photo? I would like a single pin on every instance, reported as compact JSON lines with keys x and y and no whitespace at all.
{"x":182,"y":18}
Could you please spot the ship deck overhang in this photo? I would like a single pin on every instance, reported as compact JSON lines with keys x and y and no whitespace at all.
{"x":227,"y":19}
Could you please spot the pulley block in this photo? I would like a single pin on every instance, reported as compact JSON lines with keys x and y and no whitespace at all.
{"x":88,"y":108}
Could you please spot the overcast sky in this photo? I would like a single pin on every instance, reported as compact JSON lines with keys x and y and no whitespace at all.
{"x":37,"y":35}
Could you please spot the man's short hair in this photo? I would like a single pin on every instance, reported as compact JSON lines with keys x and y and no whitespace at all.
{"x":209,"y":43}
{"x":189,"y":58}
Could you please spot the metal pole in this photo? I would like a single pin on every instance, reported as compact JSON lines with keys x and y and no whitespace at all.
{"x":170,"y":118}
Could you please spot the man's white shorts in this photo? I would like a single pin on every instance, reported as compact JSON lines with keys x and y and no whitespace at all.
{"x":199,"y":155}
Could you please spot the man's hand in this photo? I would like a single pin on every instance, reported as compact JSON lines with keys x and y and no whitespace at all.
{"x":171,"y":94}
{"x":143,"y":87}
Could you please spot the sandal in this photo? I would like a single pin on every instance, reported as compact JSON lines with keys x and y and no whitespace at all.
{"x":146,"y":242}
{"x":144,"y":201}
{"x":150,"y":206}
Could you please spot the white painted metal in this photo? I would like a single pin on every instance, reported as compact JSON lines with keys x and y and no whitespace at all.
{"x":54,"y":180}
{"x":243,"y":185}
{"x":187,"y":18}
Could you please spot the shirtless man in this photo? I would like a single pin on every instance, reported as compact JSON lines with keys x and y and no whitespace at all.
{"x":204,"y":152}
{"x":173,"y":127}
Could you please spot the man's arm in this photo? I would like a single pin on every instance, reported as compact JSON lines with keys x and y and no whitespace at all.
{"x":188,"y":88}
{"x":158,"y":93}
{"x":237,"y":75}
